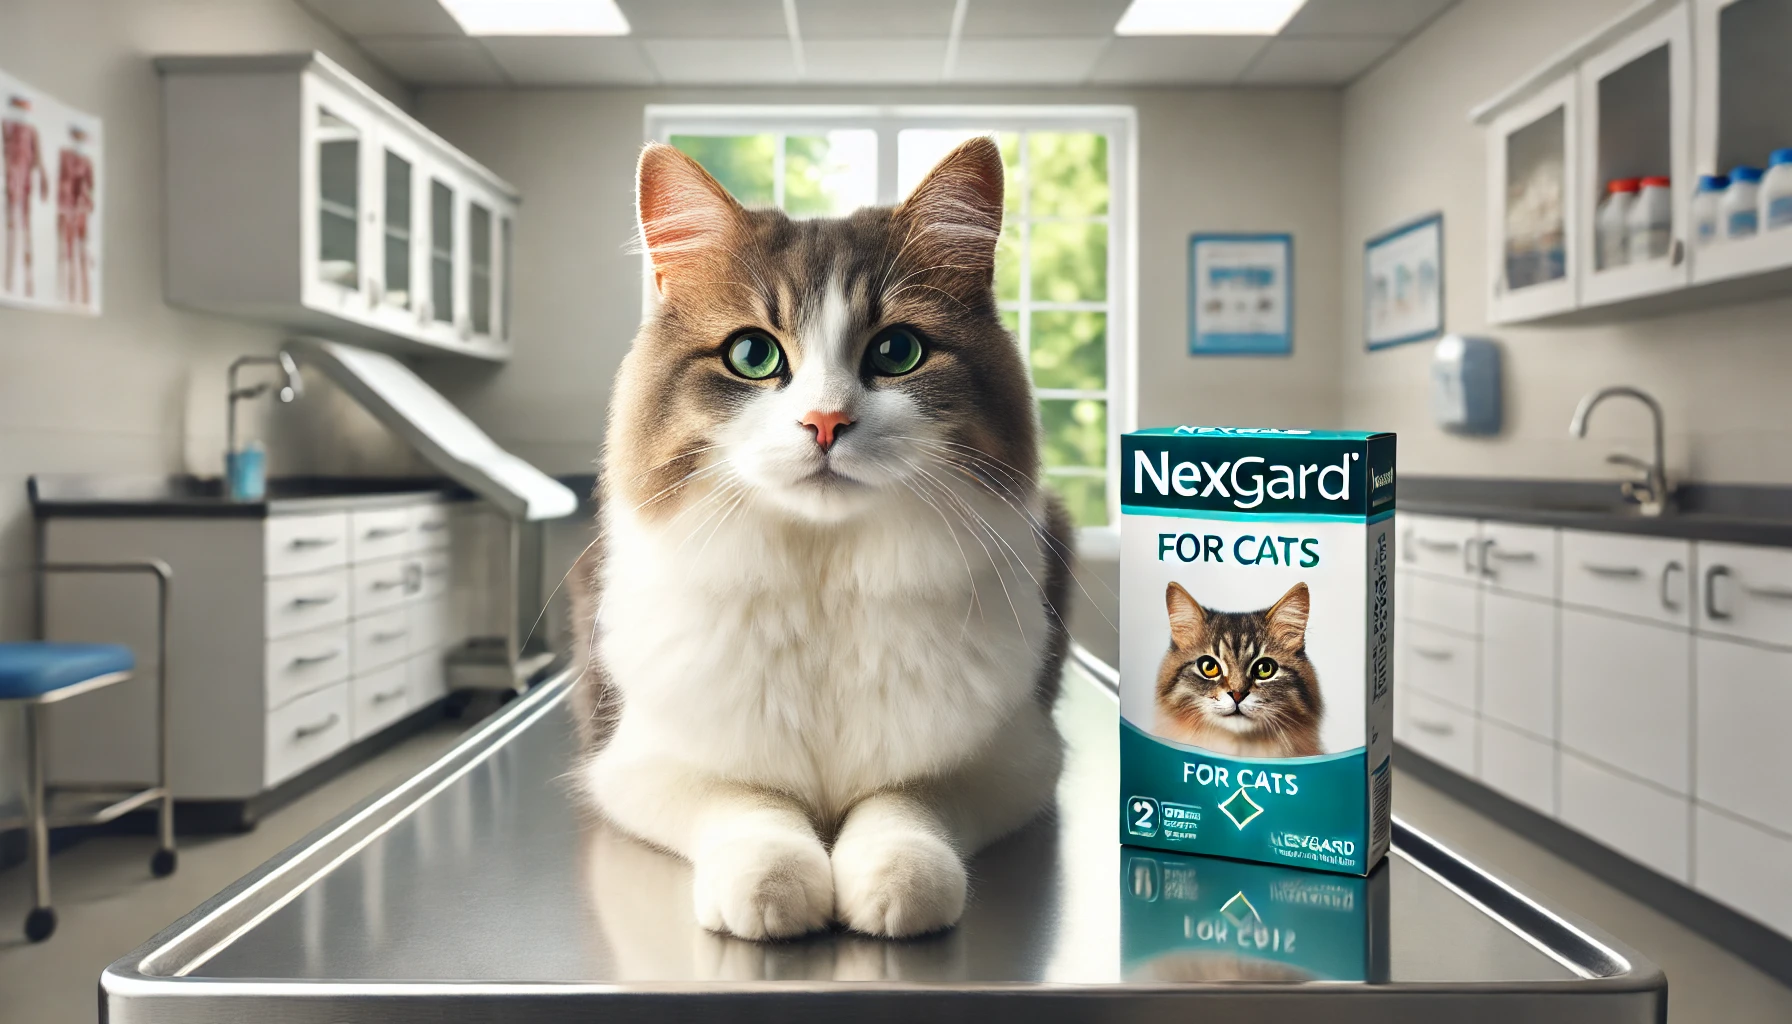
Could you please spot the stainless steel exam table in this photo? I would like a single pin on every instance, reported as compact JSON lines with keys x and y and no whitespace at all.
{"x":480,"y":890}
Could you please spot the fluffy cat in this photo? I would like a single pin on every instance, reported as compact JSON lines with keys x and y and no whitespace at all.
{"x":1239,"y":683}
{"x":823,"y":644}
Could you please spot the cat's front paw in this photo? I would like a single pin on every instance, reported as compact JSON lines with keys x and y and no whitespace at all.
{"x":764,"y":886}
{"x":898,"y":884}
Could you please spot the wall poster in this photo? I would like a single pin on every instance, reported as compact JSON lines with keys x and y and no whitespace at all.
{"x":1241,"y":294}
{"x":1403,"y":284}
{"x":53,"y":205}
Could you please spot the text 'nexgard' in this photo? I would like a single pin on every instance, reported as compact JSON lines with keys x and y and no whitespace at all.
{"x":1238,"y":472}
{"x":1246,"y":480}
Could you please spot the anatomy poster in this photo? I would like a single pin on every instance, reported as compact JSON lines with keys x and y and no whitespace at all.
{"x":53,"y":189}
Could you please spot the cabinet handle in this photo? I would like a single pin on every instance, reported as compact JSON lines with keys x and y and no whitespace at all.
{"x":385,"y":695}
{"x":1434,"y":728}
{"x":303,"y":660}
{"x":1677,"y":255}
{"x":1436,"y":545}
{"x":389,"y":635}
{"x":388,"y":584}
{"x":307,"y":731}
{"x":1510,"y":556}
{"x":307,"y":600}
{"x":1666,"y":571}
{"x":306,"y":543}
{"x":1406,"y":548}
{"x":1771,"y":593}
{"x":433,"y":526}
{"x":1711,"y":577}
{"x":1628,"y":572}
{"x":382,"y":532}
{"x":1434,"y":653}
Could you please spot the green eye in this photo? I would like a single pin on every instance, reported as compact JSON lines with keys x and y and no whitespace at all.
{"x":895,"y":352}
{"x":755,"y":356}
{"x":1263,"y":668}
{"x":1207,"y":666}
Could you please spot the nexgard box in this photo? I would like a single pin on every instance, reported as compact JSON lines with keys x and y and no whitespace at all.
{"x":1256,"y":632}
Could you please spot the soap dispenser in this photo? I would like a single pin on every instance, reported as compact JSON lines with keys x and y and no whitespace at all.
{"x":1465,"y":385}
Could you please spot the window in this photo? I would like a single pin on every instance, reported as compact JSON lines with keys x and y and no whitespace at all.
{"x":1062,"y":265}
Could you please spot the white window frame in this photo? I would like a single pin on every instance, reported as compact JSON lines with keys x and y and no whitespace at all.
{"x":1118,"y":123}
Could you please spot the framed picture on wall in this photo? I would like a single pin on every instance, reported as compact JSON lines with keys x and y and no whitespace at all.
{"x":1241,"y":294}
{"x":1403,"y":284}
{"x":54,"y":195}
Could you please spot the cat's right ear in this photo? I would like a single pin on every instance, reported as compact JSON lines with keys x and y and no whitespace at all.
{"x":685,"y":215}
{"x":1188,"y":620}
{"x":955,"y":213}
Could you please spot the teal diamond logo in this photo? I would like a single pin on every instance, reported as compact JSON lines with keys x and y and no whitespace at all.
{"x":1238,"y":910}
{"x":1241,"y":808}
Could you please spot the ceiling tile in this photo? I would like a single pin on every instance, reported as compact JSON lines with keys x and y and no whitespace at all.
{"x":434,"y":60}
{"x":873,"y":19}
{"x":1362,"y":17}
{"x":1026,"y":61}
{"x":705,"y":19}
{"x":1190,"y":60}
{"x":721,"y":61}
{"x":571,"y":60}
{"x":1329,"y":61}
{"x":1023,"y":18}
{"x":850,"y":61}
{"x":386,"y":17}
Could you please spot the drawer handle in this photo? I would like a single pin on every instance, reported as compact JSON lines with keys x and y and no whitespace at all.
{"x":1434,"y":653}
{"x":1436,"y":545}
{"x":435,"y":526}
{"x":1667,"y":600}
{"x":1771,"y":593}
{"x":382,"y":532}
{"x":303,"y":660}
{"x":1624,"y":572}
{"x":1434,"y":728}
{"x":389,"y":636}
{"x":1712,"y":575}
{"x":388,"y":584}
{"x":308,"y":731}
{"x":305,"y":543}
{"x":307,"y":600}
{"x":1510,"y":556}
{"x":386,"y":695}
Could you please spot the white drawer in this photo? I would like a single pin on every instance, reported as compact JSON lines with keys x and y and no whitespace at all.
{"x":1518,"y":662}
{"x":308,"y":543}
{"x":1627,"y":695}
{"x":379,"y":533}
{"x":1744,"y":758}
{"x":429,"y":527}
{"x":296,"y":604}
{"x":378,"y":699}
{"x":1746,"y":591}
{"x":1648,"y":577}
{"x":305,"y":732}
{"x":435,"y":569}
{"x":427,"y":677}
{"x":430,"y":624}
{"x":380,"y":639}
{"x":306,"y":662}
{"x":1439,"y":663}
{"x":1633,"y":818}
{"x":1744,"y":867}
{"x":1519,"y":765}
{"x":378,"y":586}
{"x":1520,"y":559}
{"x":1438,"y":544}
{"x":1452,"y":604}
{"x":1444,"y":733}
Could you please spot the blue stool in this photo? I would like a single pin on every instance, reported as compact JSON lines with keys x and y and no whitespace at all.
{"x":37,"y":673}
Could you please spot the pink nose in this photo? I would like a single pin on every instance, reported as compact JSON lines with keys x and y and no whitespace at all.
{"x":827,"y":426}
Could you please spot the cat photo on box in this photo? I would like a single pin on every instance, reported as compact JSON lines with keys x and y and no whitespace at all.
{"x":821,"y":622}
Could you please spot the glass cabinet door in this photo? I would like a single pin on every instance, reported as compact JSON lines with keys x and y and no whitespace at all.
{"x":395,"y":241}
{"x":1532,"y":203}
{"x":338,"y":199}
{"x":441,"y":252}
{"x":479,"y":269}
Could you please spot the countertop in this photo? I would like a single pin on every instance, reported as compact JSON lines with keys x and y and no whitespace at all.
{"x":137,"y":497}
{"x":1732,"y":513}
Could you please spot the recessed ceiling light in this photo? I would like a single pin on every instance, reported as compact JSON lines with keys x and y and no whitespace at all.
{"x":538,"y":17}
{"x":1206,"y":17}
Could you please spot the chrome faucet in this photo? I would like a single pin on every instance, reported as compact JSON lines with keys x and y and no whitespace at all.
{"x":1651,"y":492}
{"x":291,"y":387}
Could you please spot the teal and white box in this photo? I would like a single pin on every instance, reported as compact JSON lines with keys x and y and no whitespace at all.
{"x":1256,"y":644}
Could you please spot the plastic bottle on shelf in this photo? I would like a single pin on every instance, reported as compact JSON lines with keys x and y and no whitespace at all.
{"x":1706,"y":218}
{"x":1649,"y":226}
{"x":1776,"y":191}
{"x":1740,"y":210}
{"x":1611,"y":223}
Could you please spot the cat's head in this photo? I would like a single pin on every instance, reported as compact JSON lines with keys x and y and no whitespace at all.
{"x":1246,"y":673}
{"x":819,"y":367}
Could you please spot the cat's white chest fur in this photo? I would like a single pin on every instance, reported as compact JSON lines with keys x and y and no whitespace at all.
{"x":825,"y":662}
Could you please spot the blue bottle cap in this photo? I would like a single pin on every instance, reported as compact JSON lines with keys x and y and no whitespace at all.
{"x":1746,"y":174}
{"x":1780,"y":156}
{"x":1713,"y":182}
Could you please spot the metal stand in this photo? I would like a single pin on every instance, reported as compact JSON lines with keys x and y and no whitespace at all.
{"x":505,"y":662}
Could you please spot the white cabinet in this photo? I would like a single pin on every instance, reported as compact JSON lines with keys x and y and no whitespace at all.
{"x":1746,"y":591}
{"x":1520,"y":559}
{"x":1519,"y":766}
{"x":1746,"y":867}
{"x":297,"y":195}
{"x":1744,"y":750}
{"x":1440,"y":663}
{"x":1518,"y":663}
{"x":1646,"y":577}
{"x":1743,"y":77}
{"x":1440,"y":731}
{"x":1531,"y":203}
{"x":1440,"y":545}
{"x":1627,"y":696}
{"x":1646,"y":824}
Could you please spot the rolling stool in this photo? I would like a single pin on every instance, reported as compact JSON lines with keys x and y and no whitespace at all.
{"x":36,"y":673}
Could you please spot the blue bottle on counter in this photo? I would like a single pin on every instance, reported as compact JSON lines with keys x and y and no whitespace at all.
{"x":246,"y":473}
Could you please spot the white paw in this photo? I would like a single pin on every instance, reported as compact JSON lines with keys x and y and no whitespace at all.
{"x":763,"y":886}
{"x":898,"y":884}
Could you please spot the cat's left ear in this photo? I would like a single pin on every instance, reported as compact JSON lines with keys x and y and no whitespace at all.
{"x":685,"y":214}
{"x":955,"y":214}
{"x":1287,"y":618}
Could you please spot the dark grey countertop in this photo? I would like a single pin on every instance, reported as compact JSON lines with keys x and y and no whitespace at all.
{"x":1732,"y":513}
{"x":137,"y":497}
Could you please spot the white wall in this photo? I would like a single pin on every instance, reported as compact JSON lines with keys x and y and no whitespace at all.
{"x":139,"y":389}
{"x":1208,"y":160}
{"x":1410,"y":149}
